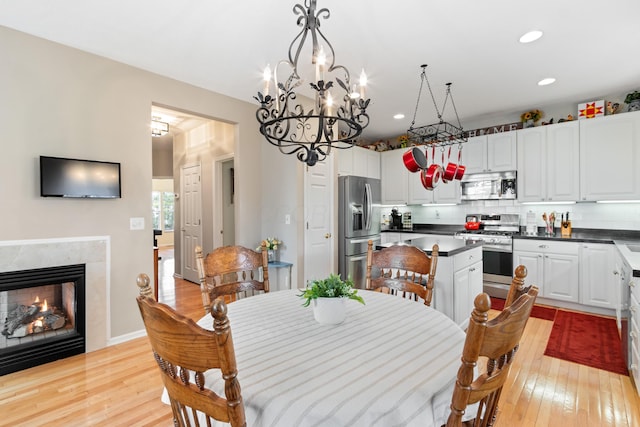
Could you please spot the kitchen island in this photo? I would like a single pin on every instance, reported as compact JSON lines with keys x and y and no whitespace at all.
{"x":458,"y":275}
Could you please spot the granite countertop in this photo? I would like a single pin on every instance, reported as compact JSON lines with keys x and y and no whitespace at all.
{"x":443,"y":235}
{"x":448,"y":245}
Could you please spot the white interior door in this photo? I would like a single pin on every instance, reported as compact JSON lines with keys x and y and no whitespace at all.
{"x":191,"y":218}
{"x":318,"y":211}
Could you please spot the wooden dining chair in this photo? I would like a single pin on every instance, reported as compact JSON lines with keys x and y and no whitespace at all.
{"x":184,"y":351}
{"x":495,"y":342}
{"x":233,"y":272}
{"x":403,"y":270}
{"x":517,"y":287}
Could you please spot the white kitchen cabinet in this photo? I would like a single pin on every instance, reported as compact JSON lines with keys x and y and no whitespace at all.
{"x":552,"y":266}
{"x":495,"y":152}
{"x":358,"y":161}
{"x":597,"y":266}
{"x":458,"y":282}
{"x":549,"y":163}
{"x":399,"y":186}
{"x":501,"y":152}
{"x":609,"y":157}
{"x":394,"y":178}
{"x":467,"y":282}
{"x":444,"y":193}
{"x":474,"y":154}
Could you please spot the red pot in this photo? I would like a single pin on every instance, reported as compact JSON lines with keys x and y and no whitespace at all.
{"x":414,"y":159}
{"x":460,"y":172}
{"x":450,"y":172}
{"x":431,"y":177}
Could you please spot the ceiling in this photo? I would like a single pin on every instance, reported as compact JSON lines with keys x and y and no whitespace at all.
{"x":223,"y":45}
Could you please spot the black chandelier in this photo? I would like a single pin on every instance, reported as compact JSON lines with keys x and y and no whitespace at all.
{"x":334,"y":121}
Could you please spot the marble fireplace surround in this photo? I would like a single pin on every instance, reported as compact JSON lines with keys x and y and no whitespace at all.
{"x":16,"y":255}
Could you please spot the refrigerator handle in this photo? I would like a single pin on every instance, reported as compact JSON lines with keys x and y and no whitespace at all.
{"x":365,"y":240}
{"x":367,"y":204}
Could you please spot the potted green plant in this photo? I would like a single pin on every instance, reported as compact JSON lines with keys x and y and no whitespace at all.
{"x":328,"y":297}
{"x":633,"y":99}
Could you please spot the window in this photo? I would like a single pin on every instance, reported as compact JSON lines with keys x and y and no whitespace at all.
{"x":162,"y":206}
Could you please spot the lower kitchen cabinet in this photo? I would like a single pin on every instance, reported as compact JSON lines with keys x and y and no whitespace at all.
{"x":467,"y":282}
{"x":458,"y":282}
{"x":597,"y":266}
{"x":554,"y":267}
{"x":634,"y":340}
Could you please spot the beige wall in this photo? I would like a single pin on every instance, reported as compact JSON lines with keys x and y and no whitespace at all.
{"x":63,"y":102}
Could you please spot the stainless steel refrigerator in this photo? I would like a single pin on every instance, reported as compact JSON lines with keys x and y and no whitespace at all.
{"x":358,"y":222}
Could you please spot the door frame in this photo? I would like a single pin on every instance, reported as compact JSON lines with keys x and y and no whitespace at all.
{"x":217,"y":207}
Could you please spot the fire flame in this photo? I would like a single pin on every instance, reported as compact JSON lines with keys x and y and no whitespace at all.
{"x":37,"y":299}
{"x":45,"y":307}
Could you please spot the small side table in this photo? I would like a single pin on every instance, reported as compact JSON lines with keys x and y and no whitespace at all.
{"x":283,"y":264}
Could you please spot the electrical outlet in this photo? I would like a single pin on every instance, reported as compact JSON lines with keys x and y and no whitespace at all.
{"x":287,"y":219}
{"x":136,"y":223}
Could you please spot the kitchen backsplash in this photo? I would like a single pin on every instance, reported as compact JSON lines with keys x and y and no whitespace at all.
{"x":616,"y":216}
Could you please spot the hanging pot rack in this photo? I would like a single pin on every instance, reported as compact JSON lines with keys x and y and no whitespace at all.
{"x":442,"y":133}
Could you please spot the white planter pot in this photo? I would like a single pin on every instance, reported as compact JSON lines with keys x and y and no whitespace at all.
{"x":329,"y":311}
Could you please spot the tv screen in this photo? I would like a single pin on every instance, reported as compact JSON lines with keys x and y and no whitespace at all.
{"x":61,"y":177}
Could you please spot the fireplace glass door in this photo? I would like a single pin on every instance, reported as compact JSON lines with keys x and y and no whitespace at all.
{"x":42,"y":313}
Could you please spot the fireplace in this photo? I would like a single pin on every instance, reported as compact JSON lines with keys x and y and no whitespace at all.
{"x":42,"y":314}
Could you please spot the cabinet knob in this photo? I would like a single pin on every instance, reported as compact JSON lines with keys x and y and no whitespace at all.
{"x":615,"y":273}
{"x":472,"y":269}
{"x":328,"y":235}
{"x":542,"y":246}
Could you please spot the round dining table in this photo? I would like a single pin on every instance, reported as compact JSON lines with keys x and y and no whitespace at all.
{"x":392,"y":362}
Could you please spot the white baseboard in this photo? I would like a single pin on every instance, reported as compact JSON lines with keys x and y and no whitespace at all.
{"x":127,"y":337}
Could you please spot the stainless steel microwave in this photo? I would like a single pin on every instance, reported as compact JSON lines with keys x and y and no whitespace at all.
{"x":489,"y":186}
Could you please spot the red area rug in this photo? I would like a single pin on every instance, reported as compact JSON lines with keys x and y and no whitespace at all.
{"x":588,"y":340}
{"x":545,"y":313}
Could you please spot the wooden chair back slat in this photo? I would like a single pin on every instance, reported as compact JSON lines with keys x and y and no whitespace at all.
{"x":232,"y":272}
{"x":184,"y":352}
{"x":402,"y":270}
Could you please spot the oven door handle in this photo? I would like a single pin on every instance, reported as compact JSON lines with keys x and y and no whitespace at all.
{"x":486,"y":248}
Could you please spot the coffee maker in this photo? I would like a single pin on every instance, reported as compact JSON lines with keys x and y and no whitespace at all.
{"x":396,"y":219}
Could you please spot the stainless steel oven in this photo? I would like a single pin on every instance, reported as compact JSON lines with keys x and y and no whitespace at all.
{"x":495,"y":233}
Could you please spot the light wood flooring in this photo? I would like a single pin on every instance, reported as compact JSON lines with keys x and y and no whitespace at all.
{"x":121,"y":386}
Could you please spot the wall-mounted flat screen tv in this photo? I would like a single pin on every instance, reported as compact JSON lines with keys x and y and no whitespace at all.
{"x":60,"y":177}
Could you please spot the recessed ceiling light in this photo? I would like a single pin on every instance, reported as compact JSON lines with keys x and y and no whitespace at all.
{"x":398,"y":116}
{"x":546,"y":81}
{"x":531,"y":36}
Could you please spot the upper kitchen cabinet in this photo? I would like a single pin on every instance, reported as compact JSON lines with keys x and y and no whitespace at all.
{"x":609,"y":157}
{"x":495,"y":152}
{"x":548,"y":163}
{"x":501,"y":152}
{"x":448,"y":192}
{"x":474,"y":154}
{"x":394,"y":178}
{"x":358,"y":161}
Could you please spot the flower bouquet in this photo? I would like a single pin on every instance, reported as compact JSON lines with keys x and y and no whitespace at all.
{"x":271,"y":244}
{"x":530,"y":117}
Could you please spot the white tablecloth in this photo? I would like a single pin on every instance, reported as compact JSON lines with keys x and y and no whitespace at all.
{"x":393,"y":362}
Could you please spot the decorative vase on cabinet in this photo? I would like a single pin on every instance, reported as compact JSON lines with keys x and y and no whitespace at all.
{"x":273,"y":255}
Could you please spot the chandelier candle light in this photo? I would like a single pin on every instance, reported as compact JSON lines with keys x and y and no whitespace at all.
{"x":335,"y":120}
